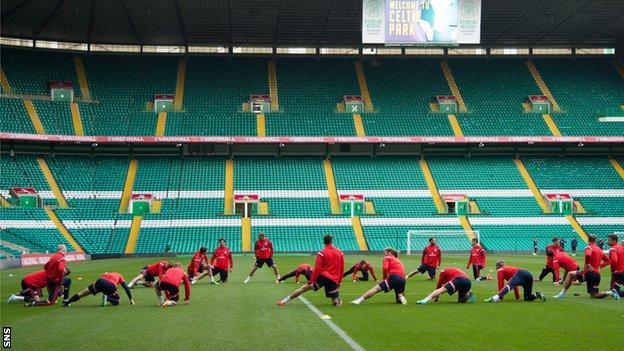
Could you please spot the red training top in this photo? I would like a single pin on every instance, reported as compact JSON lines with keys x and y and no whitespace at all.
{"x":222,"y":258}
{"x":477,"y":256}
{"x":196,"y":262}
{"x":175,"y":276}
{"x":113,"y":277}
{"x":561,"y":259}
{"x":431,"y":256}
{"x":329,"y":263}
{"x":366,"y":267}
{"x":554,"y":248}
{"x":55,"y":267}
{"x":303,"y":268}
{"x":616,"y":255}
{"x":157,"y":269}
{"x":263,"y":249}
{"x":392,"y":266}
{"x":595,"y":257}
{"x":36,"y":280}
{"x":505,"y":274}
{"x":448,"y":274}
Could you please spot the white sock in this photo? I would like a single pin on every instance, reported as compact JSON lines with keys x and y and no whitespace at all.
{"x":359,"y":299}
{"x":563,"y":292}
{"x":286,"y":299}
{"x":495,"y":298}
{"x":428,"y":298}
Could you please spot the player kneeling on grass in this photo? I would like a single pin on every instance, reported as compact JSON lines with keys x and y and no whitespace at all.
{"x":148,"y":275}
{"x":430,"y":261}
{"x":200,"y":267}
{"x":302,"y":269}
{"x":170,"y":284}
{"x":364,"y":267}
{"x":107,"y":285}
{"x":263,"y":249}
{"x":477,"y":260}
{"x":34,"y":282}
{"x":452,"y":280}
{"x":222,"y":262}
{"x":616,"y":254}
{"x":393,"y":278}
{"x":515,"y":277}
{"x":327,"y":273}
{"x":595,"y":259}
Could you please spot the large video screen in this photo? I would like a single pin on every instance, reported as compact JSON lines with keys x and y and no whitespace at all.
{"x":421,"y":22}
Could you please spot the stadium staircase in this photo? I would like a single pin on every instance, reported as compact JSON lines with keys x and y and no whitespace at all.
{"x":331,"y":186}
{"x":448,"y":75}
{"x":63,"y":230}
{"x":550,"y":122}
{"x":128,"y":185}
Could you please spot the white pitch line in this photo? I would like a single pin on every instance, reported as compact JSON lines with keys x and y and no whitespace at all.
{"x":341,"y":333}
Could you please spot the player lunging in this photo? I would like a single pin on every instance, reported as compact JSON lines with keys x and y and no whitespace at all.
{"x":393,"y":279}
{"x":263,"y":250}
{"x":221,"y":261}
{"x":199,"y":266}
{"x":363,"y":266}
{"x":595,"y":259}
{"x":107,"y":285}
{"x":452,"y":280}
{"x":430,"y":261}
{"x":147,"y":276}
{"x":302,"y":269}
{"x":477,"y":261}
{"x":327,"y":273}
{"x":548,"y":268}
{"x":170,"y":284}
{"x":34,"y":282}
{"x":515,"y":277}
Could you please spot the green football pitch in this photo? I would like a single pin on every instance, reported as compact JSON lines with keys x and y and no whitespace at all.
{"x":237,"y":316}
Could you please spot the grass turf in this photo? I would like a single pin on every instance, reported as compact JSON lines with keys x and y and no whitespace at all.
{"x":237,"y":316}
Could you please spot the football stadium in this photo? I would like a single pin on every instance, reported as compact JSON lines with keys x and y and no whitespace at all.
{"x":312,"y":175}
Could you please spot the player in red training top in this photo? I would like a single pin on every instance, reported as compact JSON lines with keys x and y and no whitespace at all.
{"x":515,"y":277}
{"x":147,"y":276}
{"x":477,"y":261}
{"x":170,"y":284}
{"x":430,"y":261}
{"x":302,"y":269}
{"x":222,"y":262}
{"x":327,"y":273}
{"x":393,"y":279}
{"x":548,"y":268}
{"x":200,"y":267}
{"x":263,"y":250}
{"x":452,"y":280}
{"x":34,"y":282}
{"x":616,"y":255}
{"x":595,"y":259}
{"x":364,"y":267}
{"x":107,"y":285}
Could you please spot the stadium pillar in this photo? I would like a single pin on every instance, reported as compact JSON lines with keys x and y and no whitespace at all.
{"x":133,"y":236}
{"x":228,"y":198}
{"x":531,"y":184}
{"x":577,"y":227}
{"x":58,"y":194}
{"x":128,"y":185}
{"x":331,"y":187}
{"x":433,"y":188}
{"x":63,"y":230}
{"x":617,"y":166}
{"x":76,"y":120}
{"x":450,"y":80}
{"x":359,"y":233}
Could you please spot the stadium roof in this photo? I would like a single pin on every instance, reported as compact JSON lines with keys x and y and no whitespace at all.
{"x":318,"y":23}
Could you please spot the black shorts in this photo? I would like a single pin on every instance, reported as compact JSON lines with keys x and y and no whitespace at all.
{"x":331,"y":287}
{"x":618,"y":278}
{"x":592,"y":279}
{"x":427,"y":268}
{"x":173,"y":292}
{"x":261,"y":261}
{"x":223,"y":274}
{"x":395,"y":282}
{"x":102,"y":286}
{"x":460,"y":285}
